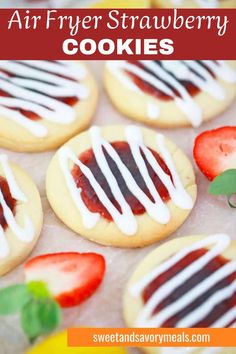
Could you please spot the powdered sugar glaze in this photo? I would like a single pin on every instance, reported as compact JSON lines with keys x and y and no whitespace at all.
{"x":36,"y":86}
{"x":218,"y":244}
{"x":126,"y":220}
{"x":167,"y":77}
{"x":24,"y":233}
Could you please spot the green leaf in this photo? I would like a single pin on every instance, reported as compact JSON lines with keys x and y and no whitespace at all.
{"x":38,"y":289}
{"x":50,"y":315}
{"x":13,"y":298}
{"x":40,"y":316}
{"x":30,"y":321}
{"x":224,"y":184}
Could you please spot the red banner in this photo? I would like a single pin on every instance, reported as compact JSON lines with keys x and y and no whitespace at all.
{"x":117,"y":34}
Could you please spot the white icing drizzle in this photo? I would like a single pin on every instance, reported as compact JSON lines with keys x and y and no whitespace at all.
{"x":221,"y":242}
{"x":146,"y":318}
{"x":201,"y":3}
{"x":165,"y":78}
{"x":126,"y":220}
{"x":35,"y":86}
{"x":23,"y":233}
{"x":153,"y":111}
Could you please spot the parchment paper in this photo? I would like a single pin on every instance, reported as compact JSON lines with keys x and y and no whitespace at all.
{"x":104,"y":309}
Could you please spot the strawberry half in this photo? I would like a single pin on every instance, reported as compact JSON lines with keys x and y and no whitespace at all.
{"x":70,"y":277}
{"x":215,"y":151}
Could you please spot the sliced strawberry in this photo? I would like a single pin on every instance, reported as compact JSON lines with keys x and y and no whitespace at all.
{"x":215,"y":151}
{"x":70,"y":277}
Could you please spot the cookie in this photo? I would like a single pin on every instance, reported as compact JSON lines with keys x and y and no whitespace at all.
{"x":20,"y":215}
{"x":187,"y":282}
{"x":44,"y":103}
{"x":195,"y":3}
{"x":123,"y":186}
{"x":171,"y":94}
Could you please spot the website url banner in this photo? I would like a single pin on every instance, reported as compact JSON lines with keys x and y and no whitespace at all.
{"x":151,"y":337}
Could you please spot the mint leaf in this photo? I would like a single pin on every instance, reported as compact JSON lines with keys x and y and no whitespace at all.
{"x":40,"y":316}
{"x":13,"y":298}
{"x":29,"y":320}
{"x":50,"y":315}
{"x":38,"y":289}
{"x":224,"y":184}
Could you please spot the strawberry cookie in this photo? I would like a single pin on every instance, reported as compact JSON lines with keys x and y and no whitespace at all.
{"x":20,"y":215}
{"x":186,"y":283}
{"x":121,"y":185}
{"x":195,"y":3}
{"x":173,"y":93}
{"x":44,"y":103}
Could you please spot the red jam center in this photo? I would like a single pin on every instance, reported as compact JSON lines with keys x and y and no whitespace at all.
{"x":153,"y":91}
{"x":71,"y":101}
{"x":122,"y":148}
{"x":211,"y":267}
{"x":8,"y":199}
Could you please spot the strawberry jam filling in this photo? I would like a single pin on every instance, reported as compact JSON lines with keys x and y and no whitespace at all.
{"x":153,"y":91}
{"x":183,"y":289}
{"x":8,"y":199}
{"x":71,"y":101}
{"x":88,"y":194}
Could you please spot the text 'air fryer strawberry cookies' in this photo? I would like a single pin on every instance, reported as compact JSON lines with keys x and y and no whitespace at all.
{"x":44,"y":103}
{"x":195,"y":3}
{"x":187,"y":282}
{"x":171,"y":94}
{"x":121,"y":185}
{"x":20,"y":215}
